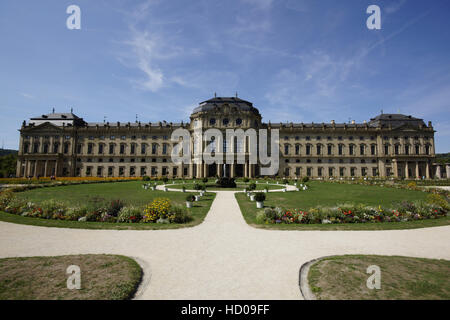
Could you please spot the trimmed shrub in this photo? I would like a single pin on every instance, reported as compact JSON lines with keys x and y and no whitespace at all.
{"x":226,"y":183}
{"x":205,"y":180}
{"x":251,"y":186}
{"x":246,"y":180}
{"x":145,"y":178}
{"x":259,"y":197}
{"x":305,"y":179}
{"x":190,"y":198}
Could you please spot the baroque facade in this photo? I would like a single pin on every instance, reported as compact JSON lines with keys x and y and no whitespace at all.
{"x":63,"y":144}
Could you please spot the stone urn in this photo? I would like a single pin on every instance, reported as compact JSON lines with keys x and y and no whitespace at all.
{"x":166,"y":189}
{"x":188,"y":204}
{"x":197,"y":198}
{"x":252,"y":197}
{"x":259,"y":204}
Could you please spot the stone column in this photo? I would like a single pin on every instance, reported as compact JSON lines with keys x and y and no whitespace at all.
{"x":395,"y":168}
{"x":45,"y":168}
{"x":232,"y":170}
{"x":438,"y":171}
{"x":35,"y":168}
{"x":381,"y":168}
{"x":181,"y":173}
{"x":246,"y":175}
{"x":447,"y":170}
{"x":205,"y":170}
{"x":191,"y":170}
{"x":417,"y":169}
{"x":427,"y":170}
{"x":56,"y":168}
{"x":406,"y":170}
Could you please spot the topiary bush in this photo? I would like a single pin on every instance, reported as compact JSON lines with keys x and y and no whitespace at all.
{"x":226,"y":183}
{"x":251,"y":186}
{"x":259,"y":197}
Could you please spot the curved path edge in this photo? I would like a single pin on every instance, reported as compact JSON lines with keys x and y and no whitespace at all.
{"x":145,"y":278}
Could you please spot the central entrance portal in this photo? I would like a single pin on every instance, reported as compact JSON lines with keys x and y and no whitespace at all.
{"x":239,"y":170}
{"x":212,"y":170}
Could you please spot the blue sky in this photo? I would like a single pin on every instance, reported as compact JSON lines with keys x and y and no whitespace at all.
{"x":296,"y":60}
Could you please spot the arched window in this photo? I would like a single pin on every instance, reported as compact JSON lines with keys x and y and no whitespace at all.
{"x":286,"y":149}
{"x":330,"y":149}
{"x":319,"y":149}
{"x":362,"y":149}
{"x":308,"y":149}
{"x":154,"y":148}
{"x":297,"y":149}
{"x":351,"y":149}
{"x":55,"y":147}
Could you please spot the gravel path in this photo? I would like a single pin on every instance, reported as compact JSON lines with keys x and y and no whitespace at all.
{"x":222,"y":258}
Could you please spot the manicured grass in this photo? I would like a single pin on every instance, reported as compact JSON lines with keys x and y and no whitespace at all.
{"x":131,"y":193}
{"x":239,"y":186}
{"x":331,"y":194}
{"x":402,"y":278}
{"x":103,"y":277}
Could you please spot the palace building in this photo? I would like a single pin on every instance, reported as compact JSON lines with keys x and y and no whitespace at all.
{"x":63,"y":144}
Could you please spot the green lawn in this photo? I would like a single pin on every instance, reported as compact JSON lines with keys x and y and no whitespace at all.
{"x":131,"y":193}
{"x":103,"y":277}
{"x":211,"y":186}
{"x":330,"y":194}
{"x":402,"y":278}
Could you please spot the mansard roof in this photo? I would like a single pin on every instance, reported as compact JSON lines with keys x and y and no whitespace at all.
{"x":396,"y":120}
{"x":215,"y":102}
{"x":57,"y":116}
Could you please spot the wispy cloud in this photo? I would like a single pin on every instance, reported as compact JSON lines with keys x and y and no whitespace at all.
{"x":27,"y":95}
{"x":394,"y":6}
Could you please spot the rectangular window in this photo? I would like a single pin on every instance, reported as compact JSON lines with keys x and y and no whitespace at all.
{"x":372,"y":150}
{"x":100,"y":148}
{"x":308,"y":149}
{"x":329,"y":150}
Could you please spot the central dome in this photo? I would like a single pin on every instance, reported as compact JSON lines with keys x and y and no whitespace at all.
{"x":218,"y":102}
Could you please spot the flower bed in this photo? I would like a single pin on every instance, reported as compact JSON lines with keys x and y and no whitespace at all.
{"x":160,"y":210}
{"x":436,"y":206}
